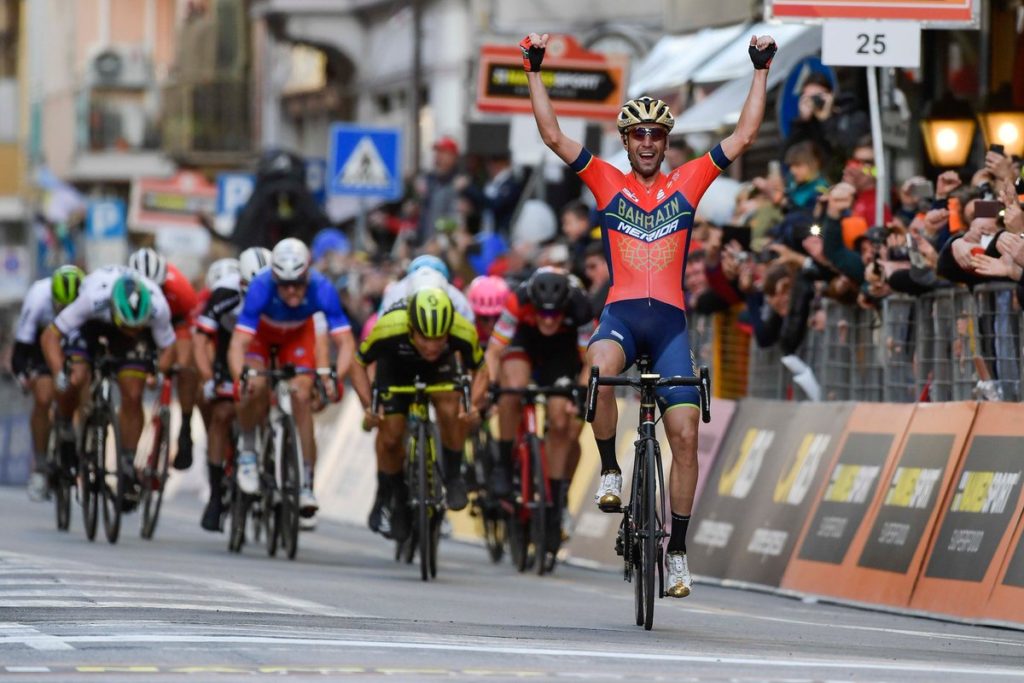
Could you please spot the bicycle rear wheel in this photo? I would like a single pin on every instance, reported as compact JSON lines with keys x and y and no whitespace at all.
{"x":60,"y":482}
{"x":538,"y":503}
{"x":154,"y":476}
{"x":108,"y":441}
{"x":423,"y":531}
{"x":495,"y":535}
{"x":90,"y":480}
{"x":290,"y":488}
{"x":239,"y":515}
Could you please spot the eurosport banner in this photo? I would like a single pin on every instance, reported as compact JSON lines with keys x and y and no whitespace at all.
{"x":981,"y":511}
{"x":791,"y":478}
{"x":902,"y":522}
{"x":865,"y":455}
{"x":747,"y":463}
{"x":1007,"y":600}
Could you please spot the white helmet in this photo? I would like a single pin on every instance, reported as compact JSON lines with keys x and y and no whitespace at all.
{"x":290,"y":260}
{"x":149,"y":264}
{"x":425,"y":277}
{"x":221,"y":268}
{"x":251,"y":262}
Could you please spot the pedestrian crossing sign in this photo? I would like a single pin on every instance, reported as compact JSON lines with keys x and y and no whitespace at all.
{"x":365,"y":162}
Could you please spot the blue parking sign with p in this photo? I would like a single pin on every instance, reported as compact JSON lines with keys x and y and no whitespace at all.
{"x":233,"y":192}
{"x":105,"y":219}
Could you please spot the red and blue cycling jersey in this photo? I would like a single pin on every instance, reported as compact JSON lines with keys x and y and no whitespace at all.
{"x":646,"y":231}
{"x":264,"y":309}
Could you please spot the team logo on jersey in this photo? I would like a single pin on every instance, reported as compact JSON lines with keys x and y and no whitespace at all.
{"x":660,"y":195}
{"x":649,"y":226}
{"x":630,"y":196}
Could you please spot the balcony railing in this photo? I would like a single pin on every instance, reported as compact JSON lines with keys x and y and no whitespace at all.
{"x":212,"y":117}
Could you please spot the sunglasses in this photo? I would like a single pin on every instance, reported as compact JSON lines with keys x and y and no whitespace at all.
{"x":640,"y":133}
{"x":549,"y":315}
{"x":291,"y":284}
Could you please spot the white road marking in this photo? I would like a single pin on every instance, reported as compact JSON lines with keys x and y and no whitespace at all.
{"x":757,"y":662}
{"x":35,"y":639}
{"x":27,"y":669}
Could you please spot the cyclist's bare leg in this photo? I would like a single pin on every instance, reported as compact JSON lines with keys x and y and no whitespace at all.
{"x":681,"y":429}
{"x":561,"y":432}
{"x":302,"y":411}
{"x":610,"y":360}
{"x":43,"y":393}
{"x":68,"y":401}
{"x":187,"y":379}
{"x":453,"y":430}
{"x":131,"y":385}
{"x":252,"y":407}
{"x":515,"y":374}
{"x":391,"y":445}
{"x":218,"y":435}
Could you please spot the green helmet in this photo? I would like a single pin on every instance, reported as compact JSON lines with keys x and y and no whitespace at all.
{"x":431,"y":313}
{"x":131,"y":304}
{"x":64,"y":284}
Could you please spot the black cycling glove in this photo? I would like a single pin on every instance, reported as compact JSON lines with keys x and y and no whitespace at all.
{"x":532,"y":55}
{"x":762,"y":59}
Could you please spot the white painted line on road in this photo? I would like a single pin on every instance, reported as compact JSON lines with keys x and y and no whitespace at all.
{"x":153,"y":594}
{"x":757,"y":662}
{"x":108,"y":604}
{"x":259,"y":595}
{"x":27,"y":669}
{"x":35,"y":639}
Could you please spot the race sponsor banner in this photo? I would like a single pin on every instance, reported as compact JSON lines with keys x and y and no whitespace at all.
{"x":981,"y":511}
{"x":709,"y":441}
{"x":759,"y":430}
{"x":1007,"y":600}
{"x":948,"y":13}
{"x":902,"y":521}
{"x":790,"y":480}
{"x":865,"y":456}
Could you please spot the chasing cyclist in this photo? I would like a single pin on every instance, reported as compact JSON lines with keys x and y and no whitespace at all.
{"x":425,"y":271}
{"x":487,"y":295}
{"x":420,"y":340}
{"x":128,"y":314}
{"x":214,"y":327}
{"x":542,"y":336}
{"x":645,"y":220}
{"x":45,"y":298}
{"x":280,"y":310}
{"x":183,"y":301}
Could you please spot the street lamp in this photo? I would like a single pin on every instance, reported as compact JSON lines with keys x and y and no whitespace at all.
{"x":1002,"y":124}
{"x":948,"y":131}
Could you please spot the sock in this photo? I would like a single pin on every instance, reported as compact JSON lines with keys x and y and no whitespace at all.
{"x":606,"y":447}
{"x":677,"y":542}
{"x":505,"y":454}
{"x":452,"y":464}
{"x":385,"y":486}
{"x":186,"y":424}
{"x":557,"y":487}
{"x":248,"y":440}
{"x":39,"y":460}
{"x":307,"y":475}
{"x":216,"y":476}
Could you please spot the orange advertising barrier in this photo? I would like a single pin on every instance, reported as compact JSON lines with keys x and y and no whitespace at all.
{"x":1007,"y":600}
{"x":981,"y":511}
{"x":832,"y":538}
{"x":893,"y":542}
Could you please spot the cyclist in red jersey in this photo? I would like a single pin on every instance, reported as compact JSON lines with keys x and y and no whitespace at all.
{"x":182,"y":298}
{"x":645,"y":220}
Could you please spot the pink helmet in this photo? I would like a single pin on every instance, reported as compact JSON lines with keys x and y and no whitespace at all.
{"x":487,"y":294}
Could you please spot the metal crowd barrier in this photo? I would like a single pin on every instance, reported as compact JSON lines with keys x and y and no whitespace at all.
{"x":950,"y":345}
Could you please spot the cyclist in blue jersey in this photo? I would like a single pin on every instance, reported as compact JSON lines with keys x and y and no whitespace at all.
{"x":280,"y":308}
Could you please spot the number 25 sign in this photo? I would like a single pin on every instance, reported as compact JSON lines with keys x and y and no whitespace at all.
{"x":871,"y":43}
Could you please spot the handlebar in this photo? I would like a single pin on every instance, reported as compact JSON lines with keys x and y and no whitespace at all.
{"x":290,"y":371}
{"x":650,"y":381}
{"x":418,"y":387}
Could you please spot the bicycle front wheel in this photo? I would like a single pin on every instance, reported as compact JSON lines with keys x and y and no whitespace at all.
{"x":239,"y":514}
{"x":90,"y":479}
{"x":290,"y":489}
{"x":154,"y":476}
{"x":108,"y":442}
{"x":60,"y":482}
{"x":423,"y":531}
{"x":538,"y":504}
{"x":649,"y":532}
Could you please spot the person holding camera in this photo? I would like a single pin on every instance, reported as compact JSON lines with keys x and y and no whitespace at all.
{"x":833,"y":124}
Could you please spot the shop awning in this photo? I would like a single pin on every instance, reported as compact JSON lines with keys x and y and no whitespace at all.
{"x":673,"y":60}
{"x":721,"y":109}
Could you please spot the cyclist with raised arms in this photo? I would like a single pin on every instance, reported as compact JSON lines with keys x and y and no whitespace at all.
{"x":128,"y":313}
{"x":184,"y":302}
{"x":45,"y":298}
{"x":645,"y":221}
{"x":280,"y":309}
{"x":542,"y":335}
{"x":420,"y":340}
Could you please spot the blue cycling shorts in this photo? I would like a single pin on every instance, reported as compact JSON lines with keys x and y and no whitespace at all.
{"x":647,"y":326}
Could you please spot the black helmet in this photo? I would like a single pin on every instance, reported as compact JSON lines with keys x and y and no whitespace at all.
{"x":549,"y":289}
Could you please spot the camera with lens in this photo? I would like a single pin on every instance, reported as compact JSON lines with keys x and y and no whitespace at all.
{"x":818,"y":101}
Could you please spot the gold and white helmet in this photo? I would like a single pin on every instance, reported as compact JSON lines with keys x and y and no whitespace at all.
{"x":644,"y":110}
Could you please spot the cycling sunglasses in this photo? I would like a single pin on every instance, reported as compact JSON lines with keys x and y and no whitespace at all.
{"x":292,"y":284}
{"x":549,"y":314}
{"x":656,"y":133}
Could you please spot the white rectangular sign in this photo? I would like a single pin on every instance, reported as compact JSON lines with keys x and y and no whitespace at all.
{"x":871,"y":43}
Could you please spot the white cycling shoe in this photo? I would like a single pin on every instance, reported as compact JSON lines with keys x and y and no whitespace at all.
{"x":307,"y":502}
{"x":679,"y":581}
{"x":609,"y":492}
{"x":38,"y":487}
{"x":248,"y":473}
